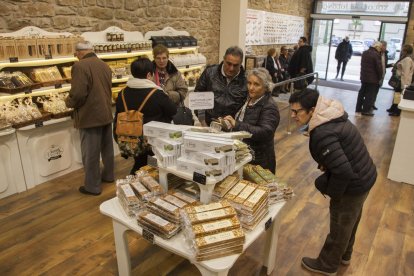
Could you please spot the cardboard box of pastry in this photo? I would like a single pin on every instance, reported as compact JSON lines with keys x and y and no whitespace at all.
{"x":207,"y":207}
{"x":222,"y":253}
{"x":256,"y":198}
{"x":152,"y":185}
{"x":190,"y":167}
{"x":195,"y":218}
{"x":225,"y":185}
{"x":205,"y":242}
{"x":159,"y":223}
{"x":166,"y":146}
{"x":245,"y":193}
{"x":208,"y":228}
{"x":195,"y":143}
{"x":236,"y":190}
{"x":213,"y":160}
{"x":164,"y":130}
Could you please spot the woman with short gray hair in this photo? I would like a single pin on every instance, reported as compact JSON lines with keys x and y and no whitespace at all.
{"x":260,"y":116}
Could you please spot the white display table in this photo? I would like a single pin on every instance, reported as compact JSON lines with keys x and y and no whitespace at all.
{"x":206,"y":190}
{"x":402,"y":166}
{"x":12,"y":177}
{"x":177,"y":245}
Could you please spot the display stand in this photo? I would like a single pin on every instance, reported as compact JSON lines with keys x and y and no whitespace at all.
{"x":11,"y":171}
{"x":177,"y":244}
{"x":401,"y":166}
{"x":47,"y":151}
{"x":205,"y":190}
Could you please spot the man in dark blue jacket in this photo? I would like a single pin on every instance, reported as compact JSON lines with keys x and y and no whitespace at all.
{"x":348,"y":174}
{"x":343,"y":54}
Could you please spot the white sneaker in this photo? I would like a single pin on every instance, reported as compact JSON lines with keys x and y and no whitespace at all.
{"x":358,"y":114}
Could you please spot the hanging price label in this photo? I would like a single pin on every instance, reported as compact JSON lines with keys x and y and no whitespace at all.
{"x":199,"y":178}
{"x":48,"y":56}
{"x":13,"y":59}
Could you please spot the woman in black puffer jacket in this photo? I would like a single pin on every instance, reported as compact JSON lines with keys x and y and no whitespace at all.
{"x":259,"y":116}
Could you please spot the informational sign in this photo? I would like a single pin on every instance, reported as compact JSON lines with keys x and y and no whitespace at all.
{"x":201,"y":100}
{"x":263,"y":28}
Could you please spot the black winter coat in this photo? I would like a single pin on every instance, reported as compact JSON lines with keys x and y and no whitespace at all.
{"x":261,"y":120}
{"x":344,"y":51}
{"x":228,"y":98}
{"x":338,"y":146}
{"x":269,"y":64}
{"x":371,"y":66}
{"x":301,"y":59}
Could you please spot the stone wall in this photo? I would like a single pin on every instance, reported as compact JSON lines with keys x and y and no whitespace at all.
{"x":409,"y":38}
{"x":301,"y":8}
{"x":200,"y":18}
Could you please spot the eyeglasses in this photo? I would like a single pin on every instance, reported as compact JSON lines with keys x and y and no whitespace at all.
{"x":296,"y":111}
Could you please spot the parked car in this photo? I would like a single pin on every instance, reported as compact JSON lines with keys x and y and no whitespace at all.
{"x":358,"y":47}
{"x":335,"y":41}
{"x":392,"y":50}
{"x":368,"y":42}
{"x":397,"y":42}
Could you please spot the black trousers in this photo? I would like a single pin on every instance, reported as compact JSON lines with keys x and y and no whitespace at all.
{"x":345,"y":214}
{"x":339,"y":67}
{"x":366,"y":97}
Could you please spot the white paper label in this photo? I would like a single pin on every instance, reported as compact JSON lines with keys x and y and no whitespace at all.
{"x":205,"y":208}
{"x":201,"y":100}
{"x":175,"y":201}
{"x":237,"y":189}
{"x":165,"y":205}
{"x":246,"y":192}
{"x":219,"y":237}
{"x":185,"y":198}
{"x":139,"y":187}
{"x":128,"y":190}
{"x":217,"y":225}
{"x":256,"y":196}
{"x":156,"y":219}
{"x":210,"y":215}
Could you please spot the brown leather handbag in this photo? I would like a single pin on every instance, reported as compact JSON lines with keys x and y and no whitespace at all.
{"x":130,"y":122}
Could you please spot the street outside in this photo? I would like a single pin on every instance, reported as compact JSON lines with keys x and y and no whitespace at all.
{"x":353,"y":66}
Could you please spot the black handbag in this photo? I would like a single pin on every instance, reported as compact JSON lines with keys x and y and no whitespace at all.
{"x":395,"y":82}
{"x":184,"y":116}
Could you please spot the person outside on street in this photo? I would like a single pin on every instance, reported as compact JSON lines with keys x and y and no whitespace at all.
{"x":343,"y":54}
{"x":91,"y":97}
{"x":348,"y":174}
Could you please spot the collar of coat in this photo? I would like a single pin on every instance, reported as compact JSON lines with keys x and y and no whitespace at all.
{"x":171,"y":69}
{"x":326,"y":110}
{"x":239,"y":75}
{"x":88,"y":55}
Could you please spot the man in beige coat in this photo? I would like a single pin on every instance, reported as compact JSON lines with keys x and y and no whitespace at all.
{"x":90,"y":96}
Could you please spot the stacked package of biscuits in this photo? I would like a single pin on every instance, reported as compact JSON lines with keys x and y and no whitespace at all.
{"x":127,"y":198}
{"x":213,"y":230}
{"x":279,"y":191}
{"x":251,"y":202}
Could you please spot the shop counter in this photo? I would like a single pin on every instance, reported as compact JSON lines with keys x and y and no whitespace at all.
{"x":11,"y":171}
{"x":402,"y":166}
{"x":177,"y":244}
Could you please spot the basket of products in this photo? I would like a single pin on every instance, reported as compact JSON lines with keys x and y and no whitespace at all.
{"x":55,"y":104}
{"x":16,"y":82}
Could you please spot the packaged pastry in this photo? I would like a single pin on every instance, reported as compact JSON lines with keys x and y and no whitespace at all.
{"x":207,"y":207}
{"x":184,"y":197}
{"x":157,"y":222}
{"x":203,"y":229}
{"x":210,"y":215}
{"x":225,"y":185}
{"x":235,"y":191}
{"x":152,"y":185}
{"x":174,"y":200}
{"x":234,"y":236}
{"x":245,"y":193}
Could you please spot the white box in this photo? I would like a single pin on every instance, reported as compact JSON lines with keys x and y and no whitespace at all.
{"x":167,"y":146}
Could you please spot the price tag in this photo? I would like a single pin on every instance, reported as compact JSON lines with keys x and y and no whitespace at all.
{"x":119,"y":77}
{"x":129,"y":50}
{"x":48,"y":56}
{"x":199,"y":178}
{"x":148,"y":235}
{"x":152,"y":161}
{"x":187,"y":66}
{"x":268,"y":223}
{"x":38,"y":124}
{"x":58,"y":85}
{"x":201,"y":100}
{"x":13,"y":59}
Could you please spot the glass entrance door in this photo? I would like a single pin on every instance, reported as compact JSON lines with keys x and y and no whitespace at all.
{"x":321,"y":43}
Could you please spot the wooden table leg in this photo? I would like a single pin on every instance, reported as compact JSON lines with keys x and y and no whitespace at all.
{"x":122,"y":249}
{"x":271,"y":245}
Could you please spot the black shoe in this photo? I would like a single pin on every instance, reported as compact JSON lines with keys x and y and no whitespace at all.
{"x":346,"y":261}
{"x":315,"y":266}
{"x":107,"y":181}
{"x":84,"y":191}
{"x":374,"y":107}
{"x":367,"y":113}
{"x":394,"y":114}
{"x":342,"y":79}
{"x":389,"y":110}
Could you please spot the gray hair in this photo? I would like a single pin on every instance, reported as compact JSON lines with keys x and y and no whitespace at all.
{"x":263,"y":75}
{"x":384,"y":43}
{"x":84,"y":45}
{"x":234,"y":51}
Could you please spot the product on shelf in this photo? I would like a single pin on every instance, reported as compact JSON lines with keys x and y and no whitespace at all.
{"x":21,"y":112}
{"x":150,"y":183}
{"x":224,"y":186}
{"x":48,"y":74}
{"x":15,"y":80}
{"x":183,"y":197}
{"x":115,"y":36}
{"x":67,"y":72}
{"x":55,"y":103}
{"x":121,"y":46}
{"x":164,"y":209}
{"x":127,"y":198}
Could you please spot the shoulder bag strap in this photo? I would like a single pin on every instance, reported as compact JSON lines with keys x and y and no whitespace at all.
{"x":123,"y":100}
{"x":146,"y":99}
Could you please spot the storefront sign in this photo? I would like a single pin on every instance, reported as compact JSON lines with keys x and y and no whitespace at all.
{"x":53,"y":153}
{"x":201,"y":100}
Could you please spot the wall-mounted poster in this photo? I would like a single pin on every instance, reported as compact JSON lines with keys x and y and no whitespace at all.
{"x":263,"y":28}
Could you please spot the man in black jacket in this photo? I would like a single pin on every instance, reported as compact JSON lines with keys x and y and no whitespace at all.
{"x":227,"y":80}
{"x":348,"y":173}
{"x":343,"y":54}
{"x":301,"y":61}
